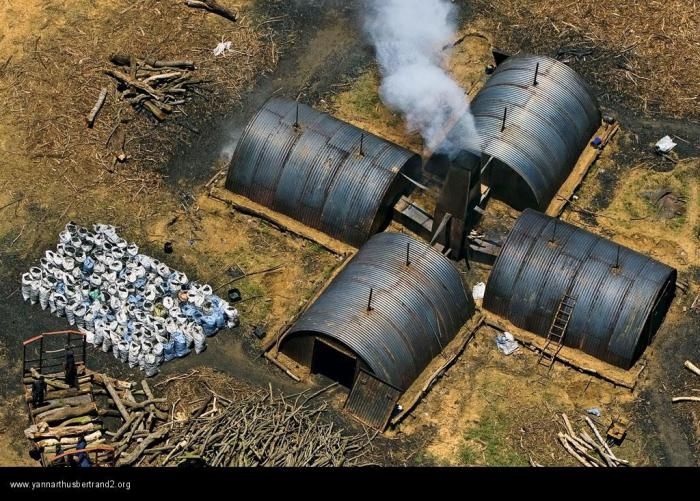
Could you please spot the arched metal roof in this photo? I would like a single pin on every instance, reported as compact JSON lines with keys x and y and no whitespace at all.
{"x":416,"y":309}
{"x":547,"y":125}
{"x":617,"y":290}
{"x":319,"y":170}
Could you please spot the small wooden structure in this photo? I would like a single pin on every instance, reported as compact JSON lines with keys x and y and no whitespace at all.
{"x":67,"y":412}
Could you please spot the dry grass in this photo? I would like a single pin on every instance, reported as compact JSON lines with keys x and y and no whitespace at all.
{"x":648,"y":52}
{"x":52,"y":58}
{"x":56,"y":83}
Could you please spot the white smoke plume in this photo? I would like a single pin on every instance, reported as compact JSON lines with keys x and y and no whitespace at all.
{"x":409,"y":37}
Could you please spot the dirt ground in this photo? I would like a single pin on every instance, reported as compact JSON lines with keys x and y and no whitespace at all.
{"x":487,"y":409}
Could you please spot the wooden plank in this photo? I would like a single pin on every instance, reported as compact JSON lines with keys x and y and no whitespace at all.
{"x":281,"y":221}
{"x":282,"y":362}
{"x":586,"y":160}
{"x":574,"y":358}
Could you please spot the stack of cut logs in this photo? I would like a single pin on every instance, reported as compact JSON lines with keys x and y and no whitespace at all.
{"x":589,"y":451}
{"x":70,"y":413}
{"x":153,"y":85}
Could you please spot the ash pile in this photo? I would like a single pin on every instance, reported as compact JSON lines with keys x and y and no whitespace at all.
{"x":125,"y":302}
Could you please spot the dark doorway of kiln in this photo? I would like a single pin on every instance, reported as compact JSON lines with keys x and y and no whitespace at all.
{"x":333,"y":362}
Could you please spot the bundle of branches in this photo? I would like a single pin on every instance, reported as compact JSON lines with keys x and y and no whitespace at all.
{"x":585,"y":449}
{"x":259,"y":429}
{"x":153,"y":85}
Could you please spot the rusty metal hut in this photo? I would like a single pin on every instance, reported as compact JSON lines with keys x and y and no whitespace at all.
{"x":319,"y":170}
{"x":534,"y":116}
{"x":377,"y":326}
{"x":620,"y":295}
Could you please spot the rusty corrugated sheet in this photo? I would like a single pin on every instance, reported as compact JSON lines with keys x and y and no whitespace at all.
{"x":416,"y":309}
{"x":312,"y":170}
{"x":546,"y":127}
{"x":371,"y":400}
{"x":616,"y":289}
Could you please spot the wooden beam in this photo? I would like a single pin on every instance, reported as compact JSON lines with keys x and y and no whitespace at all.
{"x":586,"y":160}
{"x":282,"y":222}
{"x":117,"y":401}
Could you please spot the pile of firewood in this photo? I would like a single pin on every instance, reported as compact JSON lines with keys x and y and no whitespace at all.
{"x":589,"y":451}
{"x":143,"y":421}
{"x":254,"y":428}
{"x":259,"y":429}
{"x":155,"y":86}
{"x":68,"y":414}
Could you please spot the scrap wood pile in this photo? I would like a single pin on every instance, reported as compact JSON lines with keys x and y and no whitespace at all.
{"x":152,"y":85}
{"x":587,"y":450}
{"x":144,"y":420}
{"x":260,"y":429}
{"x":70,"y":414}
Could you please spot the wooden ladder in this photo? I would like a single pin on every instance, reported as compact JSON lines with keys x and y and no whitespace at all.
{"x":557,"y":331}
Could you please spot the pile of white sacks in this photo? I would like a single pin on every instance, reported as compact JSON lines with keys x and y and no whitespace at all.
{"x":125,"y":302}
